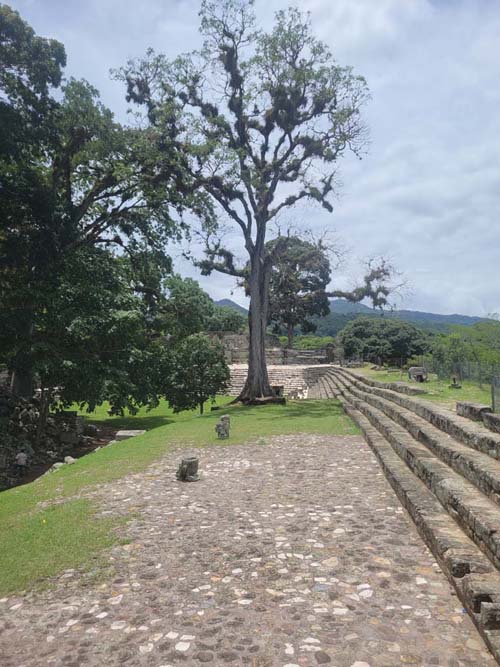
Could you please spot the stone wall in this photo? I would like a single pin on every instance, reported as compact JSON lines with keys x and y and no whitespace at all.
{"x":236,"y":350}
{"x":18,"y":432}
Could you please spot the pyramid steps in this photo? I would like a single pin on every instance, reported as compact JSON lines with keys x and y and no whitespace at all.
{"x":446,"y":473}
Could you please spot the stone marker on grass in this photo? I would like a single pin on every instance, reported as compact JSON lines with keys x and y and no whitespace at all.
{"x":222,"y":427}
{"x":188,"y":470}
{"x":417,"y":374}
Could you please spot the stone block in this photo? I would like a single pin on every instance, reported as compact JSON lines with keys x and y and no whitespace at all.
{"x":490,"y":615}
{"x":68,"y":437}
{"x":492,"y":421}
{"x":128,"y":433}
{"x":472,"y":411}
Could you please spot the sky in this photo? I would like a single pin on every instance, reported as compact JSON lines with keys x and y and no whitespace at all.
{"x":427,"y":194}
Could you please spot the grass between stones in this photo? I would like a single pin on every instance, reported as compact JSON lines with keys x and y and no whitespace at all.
{"x":46,"y":530}
{"x":437,"y":390}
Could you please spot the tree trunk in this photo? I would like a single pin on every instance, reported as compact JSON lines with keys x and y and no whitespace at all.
{"x":22,"y":381}
{"x":45,"y":398}
{"x":289,"y":333}
{"x":257,"y":385}
{"x":201,"y":407}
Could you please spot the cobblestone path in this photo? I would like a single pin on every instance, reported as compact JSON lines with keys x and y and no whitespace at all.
{"x":294,"y":552}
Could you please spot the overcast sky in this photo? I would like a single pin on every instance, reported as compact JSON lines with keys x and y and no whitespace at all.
{"x":428,"y":193}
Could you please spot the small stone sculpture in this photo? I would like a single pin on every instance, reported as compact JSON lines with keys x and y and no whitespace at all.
{"x":188,"y":470}
{"x":222,"y":427}
{"x":417,"y":374}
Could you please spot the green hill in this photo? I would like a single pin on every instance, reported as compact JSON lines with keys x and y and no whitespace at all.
{"x":229,"y":303}
{"x":342,"y":312}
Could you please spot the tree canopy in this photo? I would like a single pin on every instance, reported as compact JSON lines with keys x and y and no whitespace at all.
{"x":379,"y":339}
{"x":297,"y":288}
{"x":74,"y":183}
{"x":200,"y":372}
{"x":469,"y":351}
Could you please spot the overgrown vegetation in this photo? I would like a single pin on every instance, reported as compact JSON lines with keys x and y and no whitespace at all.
{"x":308,"y":342}
{"x":468,"y":353}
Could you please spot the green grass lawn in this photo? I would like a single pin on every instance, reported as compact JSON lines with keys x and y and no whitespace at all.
{"x":145,"y":419}
{"x":39,"y":541}
{"x":437,"y":390}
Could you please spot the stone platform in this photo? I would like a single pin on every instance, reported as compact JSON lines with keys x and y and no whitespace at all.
{"x":295,"y":379}
{"x":290,"y":552}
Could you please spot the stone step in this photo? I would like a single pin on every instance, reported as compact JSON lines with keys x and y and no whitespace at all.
{"x":323,"y":388}
{"x":470,"y":433}
{"x":295,"y":379}
{"x":478,"y":468}
{"x":477,"y":583}
{"x":478,"y":516}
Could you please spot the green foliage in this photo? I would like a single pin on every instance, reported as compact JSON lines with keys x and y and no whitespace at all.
{"x":30,"y":67}
{"x":472,"y":351}
{"x":382,"y":340}
{"x":342,"y":312}
{"x":200,"y":372}
{"x":77,"y":182}
{"x":225,"y":318}
{"x":312,"y":342}
{"x":299,"y":277}
{"x":188,"y":308}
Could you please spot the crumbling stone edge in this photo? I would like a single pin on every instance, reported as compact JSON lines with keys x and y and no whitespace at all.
{"x":475,"y":580}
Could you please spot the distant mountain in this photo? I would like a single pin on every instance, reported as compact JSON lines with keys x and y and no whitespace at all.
{"x":344,"y":307}
{"x":228,"y":303}
{"x":342,"y":312}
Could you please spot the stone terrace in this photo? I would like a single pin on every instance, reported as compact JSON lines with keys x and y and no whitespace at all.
{"x":295,"y":379}
{"x":446,"y":471}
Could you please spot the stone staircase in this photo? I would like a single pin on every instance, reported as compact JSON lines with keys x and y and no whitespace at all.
{"x":296,"y":380}
{"x":446,"y":472}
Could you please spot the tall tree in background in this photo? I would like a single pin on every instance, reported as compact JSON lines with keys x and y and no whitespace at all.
{"x":299,"y":283}
{"x":297,"y":289}
{"x":261,"y":119}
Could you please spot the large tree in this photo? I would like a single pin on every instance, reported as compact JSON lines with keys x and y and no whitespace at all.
{"x":72,"y":178}
{"x":297,"y":289}
{"x":380,"y":339}
{"x":261,"y":121}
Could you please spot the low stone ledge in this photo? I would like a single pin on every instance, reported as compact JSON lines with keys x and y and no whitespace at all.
{"x":472,"y":411}
{"x":128,"y":433}
{"x":492,"y":421}
{"x":400,"y":387}
{"x":474,"y":435}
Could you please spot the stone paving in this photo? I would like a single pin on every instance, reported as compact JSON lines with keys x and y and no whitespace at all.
{"x":292,"y":552}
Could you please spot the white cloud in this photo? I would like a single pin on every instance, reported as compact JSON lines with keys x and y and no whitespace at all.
{"x":428,"y":193}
